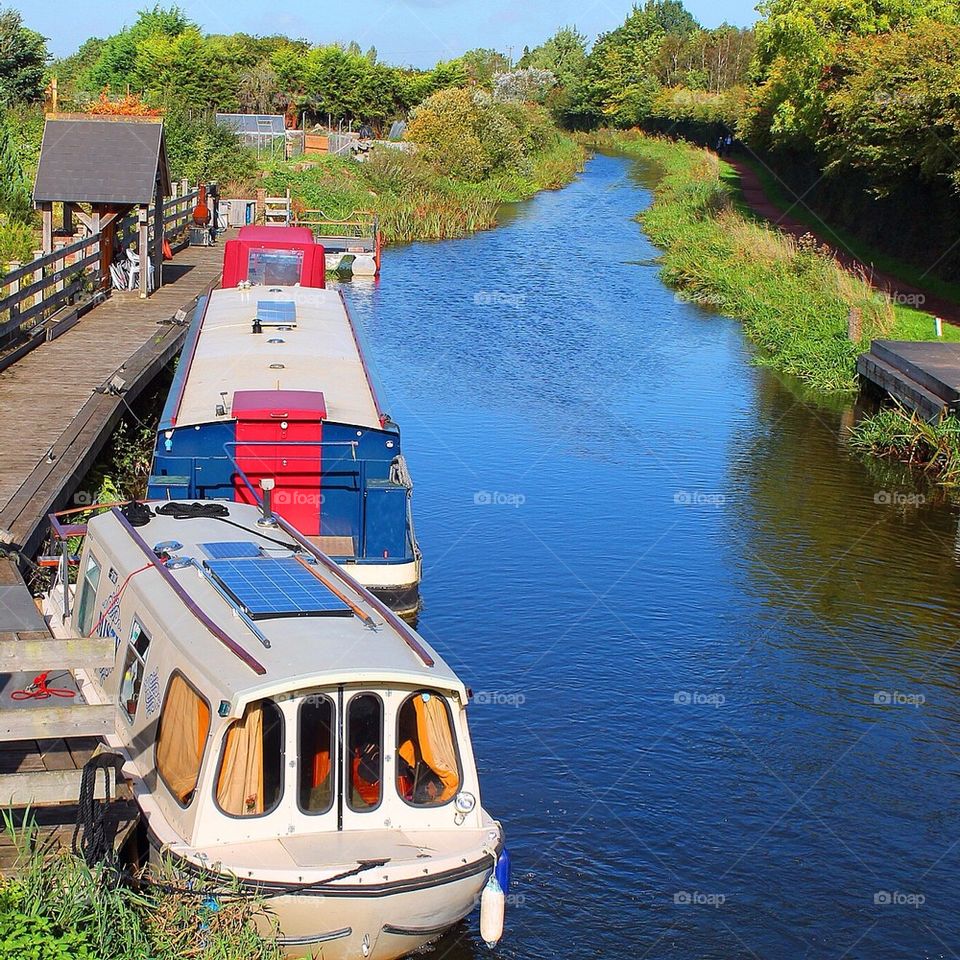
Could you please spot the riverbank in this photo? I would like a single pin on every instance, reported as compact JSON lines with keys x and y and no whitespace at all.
{"x":792,"y":296}
{"x":412,"y":199}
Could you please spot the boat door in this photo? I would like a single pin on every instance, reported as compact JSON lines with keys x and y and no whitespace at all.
{"x":340,"y":752}
{"x":279,"y":436}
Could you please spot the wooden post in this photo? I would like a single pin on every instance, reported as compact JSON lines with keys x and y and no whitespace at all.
{"x":37,"y":277}
{"x":13,"y":288}
{"x":143,"y":251}
{"x":855,"y":325}
{"x":159,"y":235}
{"x":46,"y":210}
{"x":59,"y":264}
{"x":261,"y":206}
{"x":68,"y":218}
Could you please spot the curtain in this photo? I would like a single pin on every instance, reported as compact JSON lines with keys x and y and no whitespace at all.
{"x":183,"y":732}
{"x":240,"y":785}
{"x":436,"y":742}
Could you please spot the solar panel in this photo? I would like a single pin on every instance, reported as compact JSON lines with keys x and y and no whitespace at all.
{"x":280,"y":313}
{"x":223,"y":549}
{"x":276,"y":587}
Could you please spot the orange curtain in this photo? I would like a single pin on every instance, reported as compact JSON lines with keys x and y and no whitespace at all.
{"x":184,"y":726}
{"x":436,"y":742}
{"x":240,"y":785}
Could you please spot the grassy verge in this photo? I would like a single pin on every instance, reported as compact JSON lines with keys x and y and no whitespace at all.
{"x":793,"y":298}
{"x":913,"y":276}
{"x":58,"y":908}
{"x":412,"y":199}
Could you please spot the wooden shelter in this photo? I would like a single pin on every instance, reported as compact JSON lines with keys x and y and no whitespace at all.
{"x":111,"y":165}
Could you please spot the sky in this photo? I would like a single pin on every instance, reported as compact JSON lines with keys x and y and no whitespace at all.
{"x":417,"y":32}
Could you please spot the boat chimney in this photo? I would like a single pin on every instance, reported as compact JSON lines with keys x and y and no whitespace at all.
{"x":267,"y":520}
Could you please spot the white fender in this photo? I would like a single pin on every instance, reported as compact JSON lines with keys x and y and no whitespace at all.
{"x":492,"y":905}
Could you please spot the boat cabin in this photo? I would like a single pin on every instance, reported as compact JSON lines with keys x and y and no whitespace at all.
{"x":274,"y":256}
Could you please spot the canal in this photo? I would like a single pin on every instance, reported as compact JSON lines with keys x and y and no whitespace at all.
{"x":714,"y":657}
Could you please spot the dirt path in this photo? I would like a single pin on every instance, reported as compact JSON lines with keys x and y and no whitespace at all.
{"x":760,"y":203}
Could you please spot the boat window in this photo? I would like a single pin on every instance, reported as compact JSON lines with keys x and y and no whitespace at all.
{"x":316,"y":751}
{"x":88,"y":596}
{"x":134,"y":665}
{"x":250,"y":781}
{"x":428,"y":769}
{"x":281,"y":267}
{"x":365,"y":750}
{"x":182,"y":734}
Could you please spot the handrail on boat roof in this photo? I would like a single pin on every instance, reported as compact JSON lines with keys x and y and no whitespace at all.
{"x":63,"y":531}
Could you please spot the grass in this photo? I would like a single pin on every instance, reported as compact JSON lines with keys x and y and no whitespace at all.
{"x":413,"y":201}
{"x":59,"y":908}
{"x":793,"y":298}
{"x":778,"y":194}
{"x":894,"y":433}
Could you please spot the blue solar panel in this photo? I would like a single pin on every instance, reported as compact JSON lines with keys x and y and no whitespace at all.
{"x":276,"y":587}
{"x":224,"y":549}
{"x":277,"y":312}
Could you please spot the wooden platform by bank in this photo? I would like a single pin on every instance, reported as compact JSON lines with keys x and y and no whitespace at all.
{"x":923,"y":375}
{"x":61,"y":401}
{"x":45,"y":742}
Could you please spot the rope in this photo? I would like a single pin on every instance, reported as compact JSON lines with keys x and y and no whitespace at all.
{"x":216,"y":511}
{"x":90,"y":840}
{"x":117,"y":596}
{"x":39,"y":690}
{"x":137,"y":514}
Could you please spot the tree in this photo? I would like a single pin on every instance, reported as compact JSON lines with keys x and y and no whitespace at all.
{"x":564,"y":55}
{"x":259,"y":90}
{"x":23,"y":59}
{"x":891,"y":110}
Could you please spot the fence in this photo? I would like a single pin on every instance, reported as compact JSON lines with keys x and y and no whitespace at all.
{"x":30,"y":293}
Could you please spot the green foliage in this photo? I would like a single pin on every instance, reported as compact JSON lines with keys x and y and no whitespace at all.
{"x":58,"y":908}
{"x":895,"y":110}
{"x":200,"y":149}
{"x":23,"y":59}
{"x":898,"y":434}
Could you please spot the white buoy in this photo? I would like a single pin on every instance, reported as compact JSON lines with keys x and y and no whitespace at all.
{"x":492,"y":904}
{"x":364,"y":266}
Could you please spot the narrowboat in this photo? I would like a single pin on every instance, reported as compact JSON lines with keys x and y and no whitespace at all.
{"x":273,"y":384}
{"x":284,"y":730}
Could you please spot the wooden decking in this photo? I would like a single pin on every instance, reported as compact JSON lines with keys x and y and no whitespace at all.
{"x":45,"y":743}
{"x":56,"y":406}
{"x":923,"y":375}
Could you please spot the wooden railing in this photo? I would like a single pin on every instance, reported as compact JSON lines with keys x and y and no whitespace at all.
{"x":31,"y":293}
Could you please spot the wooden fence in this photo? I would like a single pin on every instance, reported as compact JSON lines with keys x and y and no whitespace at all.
{"x":31,"y":293}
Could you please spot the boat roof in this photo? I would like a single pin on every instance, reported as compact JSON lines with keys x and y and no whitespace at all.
{"x":324,"y":631}
{"x":317,"y":350}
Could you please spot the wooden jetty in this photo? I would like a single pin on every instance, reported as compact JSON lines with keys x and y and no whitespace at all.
{"x":922,"y":375}
{"x":45,"y":743}
{"x":61,"y":401}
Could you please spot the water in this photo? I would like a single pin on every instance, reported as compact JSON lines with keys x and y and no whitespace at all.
{"x":678,"y":602}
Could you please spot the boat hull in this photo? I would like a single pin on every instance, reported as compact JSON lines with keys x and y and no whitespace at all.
{"x":378,"y":922}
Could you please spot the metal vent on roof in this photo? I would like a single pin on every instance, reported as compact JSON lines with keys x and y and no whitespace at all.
{"x":277,"y":313}
{"x":276,"y":587}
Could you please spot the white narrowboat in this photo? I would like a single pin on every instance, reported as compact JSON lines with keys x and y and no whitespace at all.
{"x":283,"y":727}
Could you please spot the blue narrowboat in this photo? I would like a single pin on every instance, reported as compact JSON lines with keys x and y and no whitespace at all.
{"x":273,"y":401}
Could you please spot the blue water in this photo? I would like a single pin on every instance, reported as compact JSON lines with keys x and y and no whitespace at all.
{"x":680,"y":603}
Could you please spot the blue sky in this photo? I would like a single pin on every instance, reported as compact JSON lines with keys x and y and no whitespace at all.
{"x":419,"y":32}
